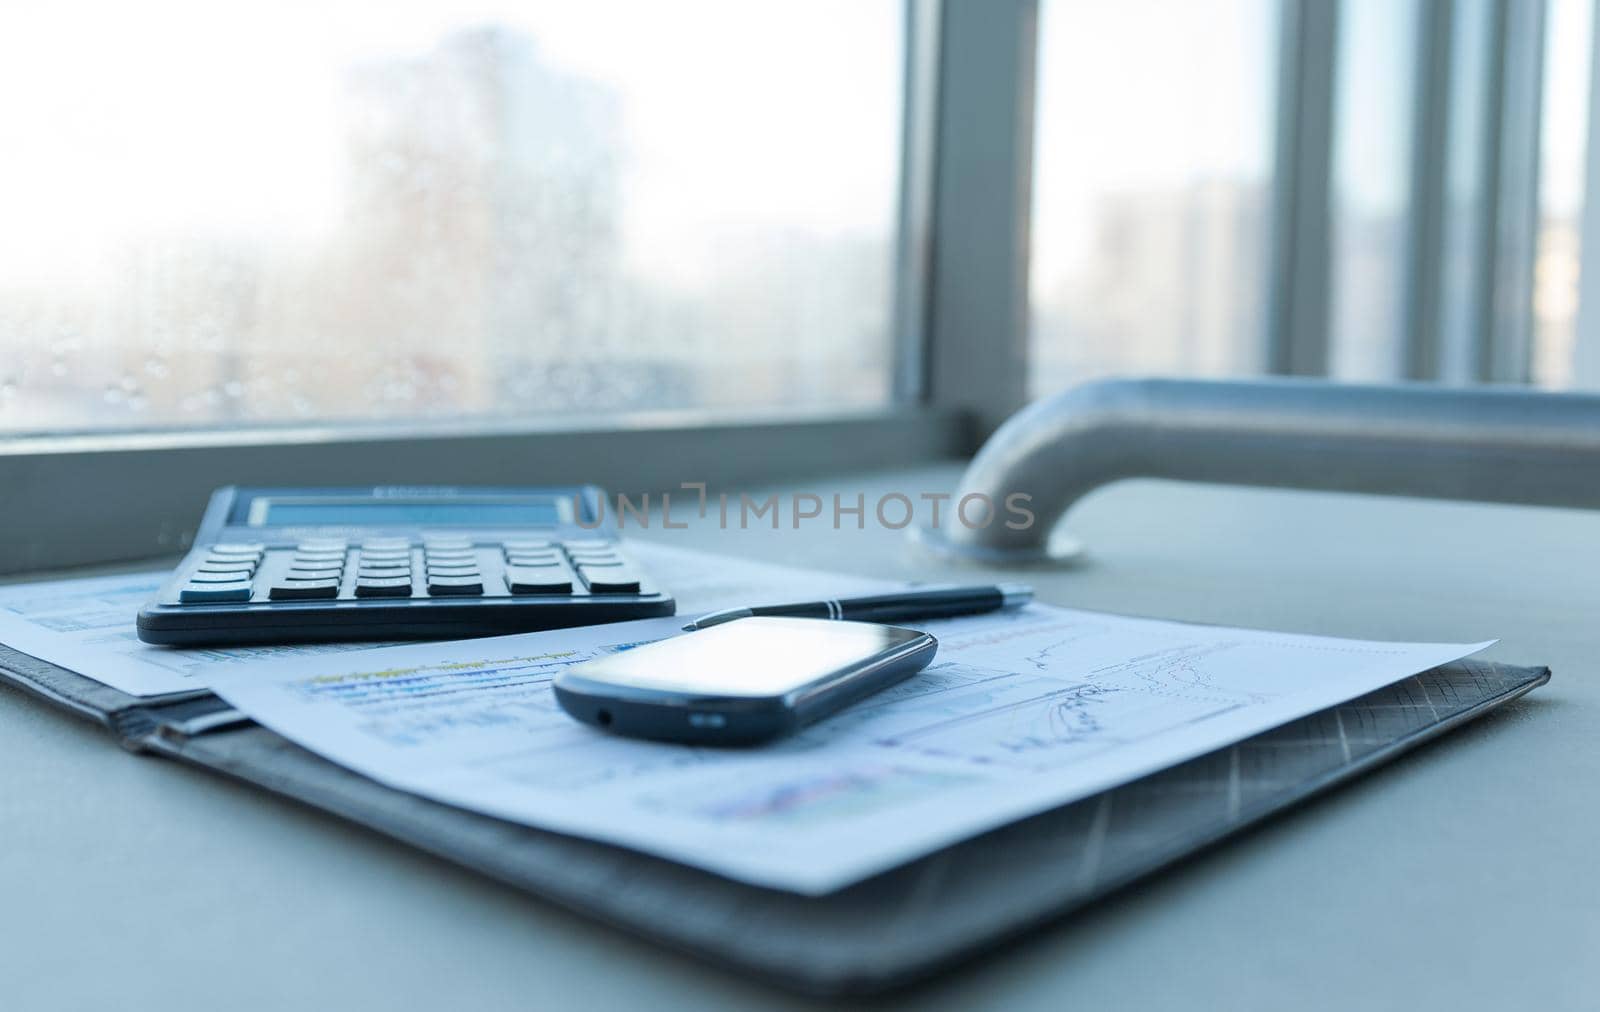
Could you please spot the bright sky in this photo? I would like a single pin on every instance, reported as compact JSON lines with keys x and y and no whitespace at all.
{"x":122,"y":119}
{"x":162,"y":116}
{"x":1144,"y":95}
{"x":1566,"y":108}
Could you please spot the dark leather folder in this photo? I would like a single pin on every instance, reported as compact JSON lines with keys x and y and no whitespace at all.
{"x":885,"y":932}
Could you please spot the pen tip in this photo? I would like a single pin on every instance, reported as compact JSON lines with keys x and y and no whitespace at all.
{"x":689,"y":628}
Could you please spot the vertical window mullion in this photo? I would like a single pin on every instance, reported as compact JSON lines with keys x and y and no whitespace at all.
{"x":914,"y":236}
{"x":1509,"y":337}
{"x":1425,"y":229}
{"x":978,"y":285}
{"x":1297,"y":314}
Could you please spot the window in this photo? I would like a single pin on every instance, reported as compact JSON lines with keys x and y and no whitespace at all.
{"x":1372,"y":157}
{"x":1561,"y":176}
{"x":1151,"y":188}
{"x":222,"y":215}
{"x":1426,"y":229}
{"x":225,"y":221}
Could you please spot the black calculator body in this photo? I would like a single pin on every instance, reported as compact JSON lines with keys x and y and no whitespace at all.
{"x":301,"y":565}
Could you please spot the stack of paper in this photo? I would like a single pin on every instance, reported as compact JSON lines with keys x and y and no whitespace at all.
{"x":1020,"y":712}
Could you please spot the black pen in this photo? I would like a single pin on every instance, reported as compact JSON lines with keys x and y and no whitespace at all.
{"x":905,"y":606}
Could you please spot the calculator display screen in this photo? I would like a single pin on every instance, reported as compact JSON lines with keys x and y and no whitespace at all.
{"x":402,"y":513}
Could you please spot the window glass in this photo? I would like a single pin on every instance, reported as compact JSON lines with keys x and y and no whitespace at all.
{"x":223,"y":214}
{"x":1564,"y":125}
{"x":1151,"y":202}
{"x":1374,"y":104}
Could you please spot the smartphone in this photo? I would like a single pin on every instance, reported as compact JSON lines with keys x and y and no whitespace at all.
{"x":742,"y":682}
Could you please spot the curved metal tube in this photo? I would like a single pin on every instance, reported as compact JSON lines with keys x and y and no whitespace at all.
{"x":1490,"y":444}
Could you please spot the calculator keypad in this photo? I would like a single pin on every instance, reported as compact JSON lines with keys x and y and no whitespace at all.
{"x":224,"y":575}
{"x":325,"y":569}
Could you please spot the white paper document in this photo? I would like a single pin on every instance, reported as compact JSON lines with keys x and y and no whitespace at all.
{"x":1019,"y":712}
{"x":87,"y":625}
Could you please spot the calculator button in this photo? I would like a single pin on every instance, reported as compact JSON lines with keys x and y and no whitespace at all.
{"x":610,"y":580}
{"x":384,"y":553}
{"x":369,"y":575}
{"x":596,"y":559}
{"x":303,"y":590}
{"x":521,"y":545}
{"x":454,"y":573}
{"x":226,"y":566}
{"x":449,"y":553}
{"x":542,"y":580}
{"x":544,"y":554}
{"x":446,"y":544}
{"x":533,"y":560}
{"x":386,"y":545}
{"x":322,"y":545}
{"x":237,"y":548}
{"x":336,"y":562}
{"x":204,"y":577}
{"x":589,"y":544}
{"x":308,"y":573}
{"x":388,"y":586}
{"x":398,"y":562}
{"x":455,"y":586}
{"x":215,"y":593}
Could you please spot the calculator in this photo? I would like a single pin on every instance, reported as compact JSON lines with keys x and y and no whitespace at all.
{"x":298,"y":565}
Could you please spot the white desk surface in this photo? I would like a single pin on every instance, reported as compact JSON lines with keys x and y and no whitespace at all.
{"x":1465,"y":876}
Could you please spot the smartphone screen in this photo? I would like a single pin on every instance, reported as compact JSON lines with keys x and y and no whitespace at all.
{"x":756,"y":657}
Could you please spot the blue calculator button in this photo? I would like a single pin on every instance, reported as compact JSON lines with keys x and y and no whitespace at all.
{"x":520,"y":545}
{"x":215,"y":593}
{"x":254,"y":548}
{"x":387,"y":586}
{"x":534,"y":558}
{"x":534,"y":562}
{"x":455,"y":586}
{"x":322,"y":545}
{"x":367,"y":562}
{"x":213,"y":578}
{"x":433,"y":544}
{"x":610,"y":580}
{"x":219,"y":566}
{"x":538,"y":580}
{"x":386,"y":544}
{"x":304,"y":590}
